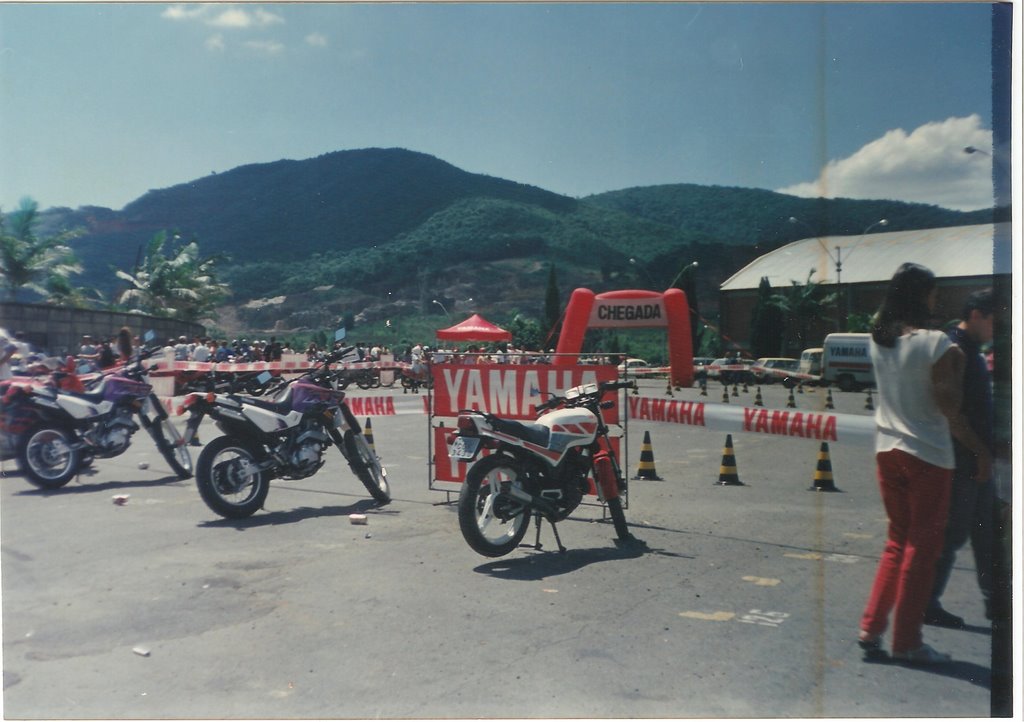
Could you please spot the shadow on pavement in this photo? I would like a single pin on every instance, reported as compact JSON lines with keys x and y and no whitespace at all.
{"x":86,"y":487}
{"x":260,"y":519}
{"x":551,"y":563}
{"x":967,"y":671}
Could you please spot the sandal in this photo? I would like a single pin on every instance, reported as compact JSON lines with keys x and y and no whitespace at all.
{"x":923,"y":655}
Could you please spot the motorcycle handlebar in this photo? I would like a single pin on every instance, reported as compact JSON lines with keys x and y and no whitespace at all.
{"x":604,"y":386}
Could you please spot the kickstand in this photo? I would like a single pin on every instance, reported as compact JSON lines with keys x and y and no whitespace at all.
{"x":558,"y":540}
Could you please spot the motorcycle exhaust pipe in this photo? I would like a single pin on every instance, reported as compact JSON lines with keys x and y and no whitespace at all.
{"x":539,"y":503}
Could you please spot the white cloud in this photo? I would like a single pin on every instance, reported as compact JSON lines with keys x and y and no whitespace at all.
{"x":928,"y":165}
{"x":264,"y":18}
{"x":231,"y":18}
{"x":223,"y":17}
{"x":183,"y":12}
{"x":215,"y":42}
{"x":267,"y":47}
{"x":318,"y":40}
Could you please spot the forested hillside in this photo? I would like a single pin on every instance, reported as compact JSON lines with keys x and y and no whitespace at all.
{"x":387,"y":231}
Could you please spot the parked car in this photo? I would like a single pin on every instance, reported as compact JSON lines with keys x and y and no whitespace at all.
{"x":700,"y":367}
{"x":768,"y":370}
{"x":632,"y":364}
{"x":734,"y":376}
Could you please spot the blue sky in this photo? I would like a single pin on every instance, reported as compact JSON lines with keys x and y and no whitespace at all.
{"x":100,"y":103}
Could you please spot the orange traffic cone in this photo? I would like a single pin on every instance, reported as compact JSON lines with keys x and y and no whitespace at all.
{"x":368,"y":433}
{"x":725,"y":394}
{"x":758,"y":401}
{"x":869,"y":403}
{"x":823,"y":474}
{"x":791,"y":401}
{"x":727,"y":475}
{"x":646,"y":468}
{"x":829,"y":404}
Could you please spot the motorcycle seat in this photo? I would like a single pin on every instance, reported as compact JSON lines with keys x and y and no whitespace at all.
{"x":534,"y":433}
{"x":281,"y":406}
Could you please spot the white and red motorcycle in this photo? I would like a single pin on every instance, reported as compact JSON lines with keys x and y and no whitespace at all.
{"x":537,"y":469}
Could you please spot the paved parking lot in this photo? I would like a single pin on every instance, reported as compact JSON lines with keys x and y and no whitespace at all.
{"x":746,"y":603}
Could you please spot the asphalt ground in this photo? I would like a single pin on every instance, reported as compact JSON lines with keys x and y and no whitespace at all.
{"x":745,"y":602}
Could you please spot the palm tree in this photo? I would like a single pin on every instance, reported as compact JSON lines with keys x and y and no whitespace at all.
{"x":28,"y":262}
{"x":173,"y":281}
{"x":801,"y":305}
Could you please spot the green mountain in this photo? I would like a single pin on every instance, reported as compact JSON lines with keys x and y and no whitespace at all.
{"x":379,"y":233}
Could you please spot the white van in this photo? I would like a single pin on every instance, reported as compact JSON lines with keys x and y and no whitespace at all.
{"x":810,"y":361}
{"x":846,"y":361}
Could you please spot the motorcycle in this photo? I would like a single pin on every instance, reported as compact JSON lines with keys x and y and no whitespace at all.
{"x":60,"y":426}
{"x":281,"y":437}
{"x":537,"y":469}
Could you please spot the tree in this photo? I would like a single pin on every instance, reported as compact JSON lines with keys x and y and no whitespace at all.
{"x":28,"y":262}
{"x":526,"y":332}
{"x":766,"y":324}
{"x":801,"y":305}
{"x":60,"y":292}
{"x":174,"y":281}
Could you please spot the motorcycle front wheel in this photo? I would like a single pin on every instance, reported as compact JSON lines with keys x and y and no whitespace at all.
{"x":167,"y":439}
{"x":492,"y":522}
{"x":228,"y":479}
{"x":47,"y":457}
{"x":366,"y":465}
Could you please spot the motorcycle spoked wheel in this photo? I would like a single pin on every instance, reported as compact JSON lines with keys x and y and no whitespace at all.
{"x":171,"y":446}
{"x":227,"y":479}
{"x":492,"y":523}
{"x":47,"y":458}
{"x":167,"y":438}
{"x":365,"y":464}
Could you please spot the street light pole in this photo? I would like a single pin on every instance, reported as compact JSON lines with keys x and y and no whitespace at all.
{"x":844,"y":298}
{"x":838,"y":260}
{"x":442,"y":307}
{"x":683,"y":270}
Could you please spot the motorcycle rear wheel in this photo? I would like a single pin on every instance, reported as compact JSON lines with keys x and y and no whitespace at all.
{"x":365,"y":464}
{"x":492,"y":523}
{"x":47,"y":458}
{"x":227,"y":481}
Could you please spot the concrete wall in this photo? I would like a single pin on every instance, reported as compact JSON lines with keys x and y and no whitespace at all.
{"x":58,"y":331}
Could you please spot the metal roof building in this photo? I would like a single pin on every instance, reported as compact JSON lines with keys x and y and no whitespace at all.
{"x":963,"y":258}
{"x":949,"y":252}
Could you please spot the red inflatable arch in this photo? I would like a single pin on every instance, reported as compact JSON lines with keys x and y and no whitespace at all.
{"x":631,"y":309}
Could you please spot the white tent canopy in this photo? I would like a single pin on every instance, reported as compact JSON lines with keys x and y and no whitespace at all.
{"x":949,"y":252}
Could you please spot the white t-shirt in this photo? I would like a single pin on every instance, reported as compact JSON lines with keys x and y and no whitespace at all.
{"x":907,"y":417}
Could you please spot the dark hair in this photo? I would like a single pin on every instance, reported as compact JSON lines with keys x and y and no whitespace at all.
{"x":980,"y":301}
{"x":905,"y":304}
{"x":124,"y":341}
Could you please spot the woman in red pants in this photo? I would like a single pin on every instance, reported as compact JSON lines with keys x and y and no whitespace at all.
{"x":919,"y":373}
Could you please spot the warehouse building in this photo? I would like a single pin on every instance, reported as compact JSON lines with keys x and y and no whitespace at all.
{"x":858,"y":268}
